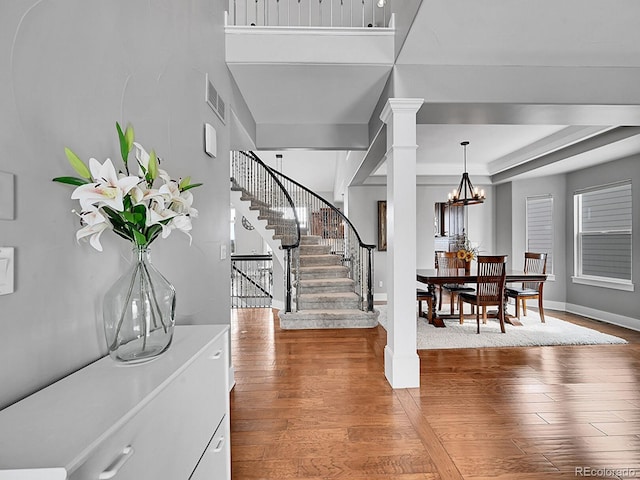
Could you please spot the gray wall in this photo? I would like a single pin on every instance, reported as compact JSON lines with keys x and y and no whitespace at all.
{"x":69,"y":70}
{"x":503,"y":221}
{"x":555,"y":287}
{"x":614,"y":302}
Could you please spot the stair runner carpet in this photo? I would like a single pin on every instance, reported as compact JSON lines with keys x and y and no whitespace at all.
{"x":326,"y":296}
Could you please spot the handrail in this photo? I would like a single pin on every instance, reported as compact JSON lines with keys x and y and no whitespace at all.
{"x":286,"y":194}
{"x":274,"y":194}
{"x":353,"y":257}
{"x":256,"y":180}
{"x":329,"y":204}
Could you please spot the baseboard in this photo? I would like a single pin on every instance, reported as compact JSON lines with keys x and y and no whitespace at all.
{"x":553,"y":305}
{"x":607,"y":317}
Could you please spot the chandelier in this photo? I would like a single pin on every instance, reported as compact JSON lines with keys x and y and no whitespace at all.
{"x":466,"y":193}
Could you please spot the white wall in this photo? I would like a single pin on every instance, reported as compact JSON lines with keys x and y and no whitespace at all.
{"x":70,"y":69}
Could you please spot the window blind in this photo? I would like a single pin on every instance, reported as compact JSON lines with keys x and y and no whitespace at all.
{"x":539,"y":229}
{"x":605,"y":230}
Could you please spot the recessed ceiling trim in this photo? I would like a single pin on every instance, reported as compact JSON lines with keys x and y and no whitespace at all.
{"x":604,"y":139}
{"x":556,"y":141}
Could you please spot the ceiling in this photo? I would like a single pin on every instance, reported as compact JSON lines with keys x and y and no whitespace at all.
{"x":520,"y":142}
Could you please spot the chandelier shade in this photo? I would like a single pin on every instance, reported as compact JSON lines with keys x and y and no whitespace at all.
{"x":466,"y":193}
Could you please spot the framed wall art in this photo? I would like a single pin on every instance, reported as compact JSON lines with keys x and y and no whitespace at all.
{"x":382,"y":225}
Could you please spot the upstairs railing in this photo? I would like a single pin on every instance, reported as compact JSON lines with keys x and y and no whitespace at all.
{"x":310,"y":13}
{"x":319,"y":217}
{"x":259,"y":184}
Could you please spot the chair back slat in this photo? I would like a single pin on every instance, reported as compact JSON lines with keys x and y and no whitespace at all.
{"x":534,"y":263}
{"x":449,"y":264}
{"x":492,"y":272}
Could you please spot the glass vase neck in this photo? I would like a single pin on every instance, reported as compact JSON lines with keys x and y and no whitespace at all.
{"x":141,"y":252}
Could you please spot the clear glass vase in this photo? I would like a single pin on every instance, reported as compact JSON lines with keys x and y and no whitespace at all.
{"x":139,"y":312}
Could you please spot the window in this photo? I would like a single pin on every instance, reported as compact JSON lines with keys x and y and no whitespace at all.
{"x":539,"y":233}
{"x":603,"y":225}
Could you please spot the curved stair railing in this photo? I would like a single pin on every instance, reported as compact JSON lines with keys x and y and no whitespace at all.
{"x":259,"y":185}
{"x":291,"y":208}
{"x":324,"y":219}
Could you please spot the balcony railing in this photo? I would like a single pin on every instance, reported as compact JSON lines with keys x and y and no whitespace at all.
{"x":310,"y":13}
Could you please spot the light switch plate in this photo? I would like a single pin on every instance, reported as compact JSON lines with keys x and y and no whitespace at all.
{"x":223,"y":251}
{"x":6,"y":196}
{"x":6,"y":270}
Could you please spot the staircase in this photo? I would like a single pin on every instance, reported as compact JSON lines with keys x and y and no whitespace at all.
{"x":326,"y":296}
{"x":327,"y":278}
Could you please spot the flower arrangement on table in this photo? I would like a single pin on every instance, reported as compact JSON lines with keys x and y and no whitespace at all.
{"x":466,"y":252}
{"x":129,"y":204}
{"x":139,"y":308}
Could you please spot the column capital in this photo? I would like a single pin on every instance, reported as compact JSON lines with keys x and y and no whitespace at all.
{"x":400,"y":105}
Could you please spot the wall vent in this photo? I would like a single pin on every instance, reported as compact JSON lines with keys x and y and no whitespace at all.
{"x":214,"y":100}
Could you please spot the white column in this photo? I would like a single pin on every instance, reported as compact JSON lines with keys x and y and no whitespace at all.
{"x":401,"y":361}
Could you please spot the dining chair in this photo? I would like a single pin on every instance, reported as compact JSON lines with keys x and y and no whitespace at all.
{"x":533,"y":263}
{"x":448,"y":263}
{"x":492,"y":273}
{"x":425,"y":296}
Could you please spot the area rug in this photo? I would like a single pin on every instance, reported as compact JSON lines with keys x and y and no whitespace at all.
{"x":532,"y":333}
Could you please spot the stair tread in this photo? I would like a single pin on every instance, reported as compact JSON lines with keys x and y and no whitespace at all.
{"x":327,"y":281}
{"x":322,"y":267}
{"x":307,"y":296}
{"x":336,"y":312}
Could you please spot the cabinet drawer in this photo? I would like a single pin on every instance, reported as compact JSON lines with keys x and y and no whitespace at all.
{"x":166,"y":437}
{"x":216,"y":460}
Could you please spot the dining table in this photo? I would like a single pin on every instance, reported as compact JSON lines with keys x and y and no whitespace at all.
{"x":432,"y":277}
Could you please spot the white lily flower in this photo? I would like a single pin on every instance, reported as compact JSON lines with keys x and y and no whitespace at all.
{"x":142,"y":158}
{"x":95,"y":224}
{"x":108,"y":190}
{"x":157,"y":214}
{"x":178,"y":201}
{"x":114,"y":200}
{"x":182,"y":223}
{"x":142,"y":196}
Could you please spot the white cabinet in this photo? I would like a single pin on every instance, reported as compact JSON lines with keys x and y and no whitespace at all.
{"x":165,"y":419}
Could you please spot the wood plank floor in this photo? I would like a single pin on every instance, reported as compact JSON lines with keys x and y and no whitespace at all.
{"x":315,"y":404}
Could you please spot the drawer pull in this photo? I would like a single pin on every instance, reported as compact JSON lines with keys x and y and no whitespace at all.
{"x":219,"y":445}
{"x":112,"y":470}
{"x":216,"y":355}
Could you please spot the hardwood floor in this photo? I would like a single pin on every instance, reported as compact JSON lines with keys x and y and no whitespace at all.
{"x":315,"y":404}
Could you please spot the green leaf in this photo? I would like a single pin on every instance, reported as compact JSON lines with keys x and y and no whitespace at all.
{"x":71,"y":180}
{"x":124,"y":147}
{"x":153,"y":166}
{"x":140,"y":238}
{"x":140,"y":214}
{"x":77,"y":164}
{"x":122,"y":233}
{"x":185,"y":182}
{"x":129,"y":217}
{"x":153,"y":232}
{"x":193,"y":185}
